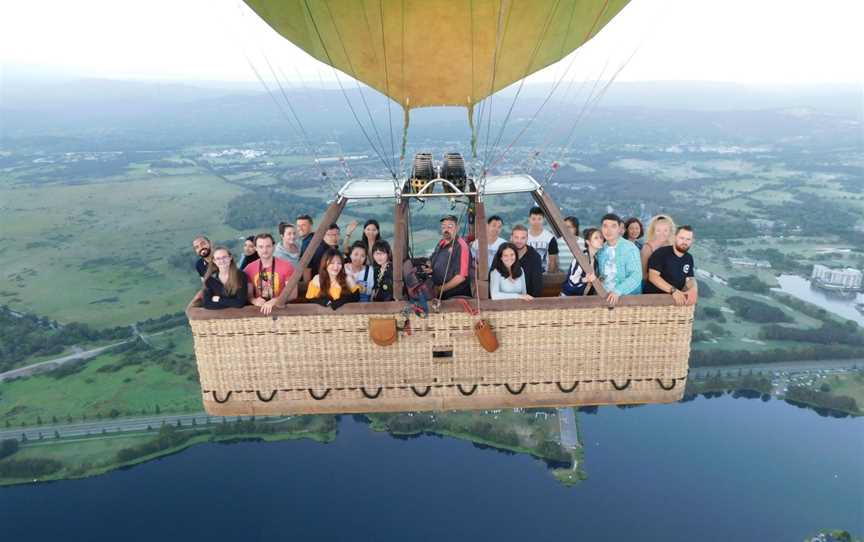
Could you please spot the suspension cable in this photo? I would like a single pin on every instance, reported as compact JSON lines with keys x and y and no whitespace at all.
{"x":342,"y":87}
{"x":359,"y":86}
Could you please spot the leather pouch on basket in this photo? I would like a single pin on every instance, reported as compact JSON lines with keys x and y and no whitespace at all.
{"x":382,"y":331}
{"x":486,"y":336}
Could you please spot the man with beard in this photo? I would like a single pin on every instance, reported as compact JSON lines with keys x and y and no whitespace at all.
{"x":451,"y":263}
{"x":529,"y":259}
{"x":670,"y":269}
{"x":202,"y":248}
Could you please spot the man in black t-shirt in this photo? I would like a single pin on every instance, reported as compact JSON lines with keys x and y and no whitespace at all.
{"x":670,"y":269}
{"x":201,"y":246}
{"x":331,"y":240}
{"x":529,"y":259}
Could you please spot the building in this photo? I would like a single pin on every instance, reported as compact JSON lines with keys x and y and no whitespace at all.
{"x":839,"y":279}
{"x":753,"y":264}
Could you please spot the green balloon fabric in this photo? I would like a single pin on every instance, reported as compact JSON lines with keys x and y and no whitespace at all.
{"x":425,"y":53}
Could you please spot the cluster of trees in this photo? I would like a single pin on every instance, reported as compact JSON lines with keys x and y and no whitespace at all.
{"x":32,"y":467}
{"x":756,"y":311}
{"x":720,"y":358}
{"x":265,"y":208}
{"x":166,"y":321}
{"x":819,"y":398}
{"x":828,"y":333}
{"x":25,"y":335}
{"x":8,"y":447}
{"x":167,"y":438}
{"x":748,"y":283}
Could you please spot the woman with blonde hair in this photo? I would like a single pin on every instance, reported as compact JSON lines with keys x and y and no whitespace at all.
{"x":225,"y":286}
{"x":661,"y":231}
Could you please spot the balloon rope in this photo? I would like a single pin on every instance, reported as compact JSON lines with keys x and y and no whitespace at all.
{"x":473,"y":131}
{"x":406,"y":119}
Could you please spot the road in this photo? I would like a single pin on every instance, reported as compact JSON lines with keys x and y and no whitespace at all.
{"x":569,"y":432}
{"x":110,"y":427}
{"x":77,"y":355}
{"x":771,"y":368}
{"x":51,"y":364}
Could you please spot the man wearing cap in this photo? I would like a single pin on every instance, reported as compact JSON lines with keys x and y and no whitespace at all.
{"x":451,"y":263}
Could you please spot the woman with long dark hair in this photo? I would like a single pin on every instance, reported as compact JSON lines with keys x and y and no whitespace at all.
{"x":382,"y":271}
{"x":225,"y":286}
{"x":371,"y":235}
{"x":332,"y":286}
{"x":506,"y":280}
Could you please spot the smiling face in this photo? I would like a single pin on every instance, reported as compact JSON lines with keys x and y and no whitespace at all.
{"x":662,"y":232}
{"x":596,"y":241}
{"x":358,"y":257}
{"x":519,"y":238}
{"x":371,"y":232}
{"x":508,"y":257}
{"x":448,"y":230}
{"x":201,"y":247}
{"x":334,"y":265}
{"x":634,"y":231}
{"x":222,"y":259}
{"x":248,"y":247}
{"x":379,"y":257}
{"x":288,"y":236}
{"x":264,"y":247}
{"x":304,"y":226}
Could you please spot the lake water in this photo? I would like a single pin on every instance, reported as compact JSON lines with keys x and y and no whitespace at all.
{"x":709,"y":469}
{"x":801,"y":288}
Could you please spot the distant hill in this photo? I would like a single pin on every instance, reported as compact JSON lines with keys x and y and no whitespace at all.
{"x":75,"y":113}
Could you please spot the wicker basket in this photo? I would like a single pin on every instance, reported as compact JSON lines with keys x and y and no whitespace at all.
{"x":553,"y":352}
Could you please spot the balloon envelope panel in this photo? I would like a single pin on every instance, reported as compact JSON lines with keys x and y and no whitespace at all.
{"x":438,"y":52}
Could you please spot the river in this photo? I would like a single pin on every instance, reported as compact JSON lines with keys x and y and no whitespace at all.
{"x":801,"y":288}
{"x":709,"y":469}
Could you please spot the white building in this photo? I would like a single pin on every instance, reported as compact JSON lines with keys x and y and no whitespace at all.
{"x":845,"y":279}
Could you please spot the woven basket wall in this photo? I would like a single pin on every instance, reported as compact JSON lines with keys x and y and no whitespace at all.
{"x":327,"y":363}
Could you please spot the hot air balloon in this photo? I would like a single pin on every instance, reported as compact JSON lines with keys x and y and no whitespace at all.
{"x":374,"y":357}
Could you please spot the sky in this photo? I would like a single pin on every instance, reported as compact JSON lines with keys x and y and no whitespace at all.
{"x":772,"y":42}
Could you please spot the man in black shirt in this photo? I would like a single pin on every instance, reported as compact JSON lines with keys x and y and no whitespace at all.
{"x":670,"y":269}
{"x":529,"y":259}
{"x":201,"y":246}
{"x":331,"y":240}
{"x":304,"y":232}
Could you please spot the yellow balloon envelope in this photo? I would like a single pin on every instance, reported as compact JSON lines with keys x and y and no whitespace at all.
{"x":438,"y":52}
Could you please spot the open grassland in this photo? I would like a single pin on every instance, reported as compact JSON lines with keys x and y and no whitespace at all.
{"x":99,"y":253}
{"x":96,"y":391}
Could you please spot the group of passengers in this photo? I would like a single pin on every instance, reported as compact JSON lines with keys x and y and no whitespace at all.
{"x":619,"y":263}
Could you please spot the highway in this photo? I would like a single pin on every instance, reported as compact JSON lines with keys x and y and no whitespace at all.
{"x":771,"y":368}
{"x":119,"y":425}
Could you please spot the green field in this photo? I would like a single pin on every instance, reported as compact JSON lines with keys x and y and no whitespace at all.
{"x":98,"y":253}
{"x":131,"y":391}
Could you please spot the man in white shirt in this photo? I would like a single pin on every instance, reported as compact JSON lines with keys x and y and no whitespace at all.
{"x":542,"y":240}
{"x":493,"y":229}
